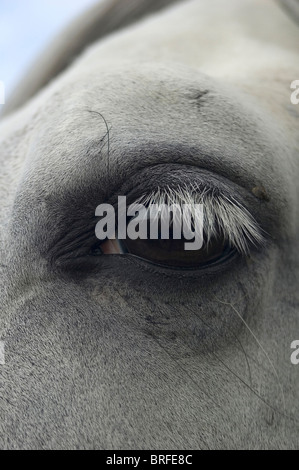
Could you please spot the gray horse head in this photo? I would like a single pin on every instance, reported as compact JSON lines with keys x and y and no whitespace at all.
{"x":177,"y":100}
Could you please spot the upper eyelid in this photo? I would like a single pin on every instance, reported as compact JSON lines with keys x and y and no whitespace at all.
{"x":196,"y":181}
{"x":148,"y":179}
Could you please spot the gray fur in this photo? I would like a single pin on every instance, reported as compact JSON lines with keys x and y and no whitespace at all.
{"x":111,"y":352}
{"x":292,"y":8}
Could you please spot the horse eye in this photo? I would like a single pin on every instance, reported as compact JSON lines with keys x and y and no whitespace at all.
{"x":156,"y":233}
{"x":172,"y":253}
{"x":169,"y":252}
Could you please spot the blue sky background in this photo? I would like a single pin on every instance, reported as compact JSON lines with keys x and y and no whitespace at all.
{"x":26,"y":26}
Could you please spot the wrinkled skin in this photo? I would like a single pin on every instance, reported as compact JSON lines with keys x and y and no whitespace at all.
{"x":111,"y":352}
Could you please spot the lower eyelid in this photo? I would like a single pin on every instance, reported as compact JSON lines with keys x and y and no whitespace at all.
{"x":190,"y":274}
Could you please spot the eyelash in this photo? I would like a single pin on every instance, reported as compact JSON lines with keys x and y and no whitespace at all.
{"x":223,"y":215}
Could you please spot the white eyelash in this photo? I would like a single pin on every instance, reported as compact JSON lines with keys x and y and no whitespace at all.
{"x":223,"y":215}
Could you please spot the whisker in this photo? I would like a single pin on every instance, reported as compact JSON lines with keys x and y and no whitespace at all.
{"x":264,"y":352}
{"x":234,"y":335}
